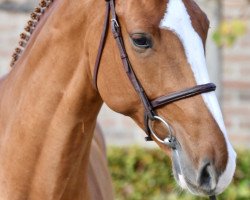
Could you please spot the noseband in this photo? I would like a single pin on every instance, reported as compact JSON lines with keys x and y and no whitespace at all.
{"x":150,"y":114}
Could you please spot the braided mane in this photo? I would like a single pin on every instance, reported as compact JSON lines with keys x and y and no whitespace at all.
{"x":29,"y":29}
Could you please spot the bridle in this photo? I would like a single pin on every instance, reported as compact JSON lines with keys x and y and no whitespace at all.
{"x":150,"y":106}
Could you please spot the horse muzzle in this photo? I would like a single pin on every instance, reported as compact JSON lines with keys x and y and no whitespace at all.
{"x":202,"y":181}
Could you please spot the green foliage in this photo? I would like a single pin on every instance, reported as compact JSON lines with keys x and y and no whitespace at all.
{"x":146,"y":174}
{"x":228,"y":32}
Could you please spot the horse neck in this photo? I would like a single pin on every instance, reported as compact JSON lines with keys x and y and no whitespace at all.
{"x":48,"y":109}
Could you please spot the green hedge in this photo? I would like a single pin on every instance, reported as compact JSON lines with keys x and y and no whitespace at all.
{"x":145,"y":174}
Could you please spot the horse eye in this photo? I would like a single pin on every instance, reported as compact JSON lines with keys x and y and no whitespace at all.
{"x":141,"y":41}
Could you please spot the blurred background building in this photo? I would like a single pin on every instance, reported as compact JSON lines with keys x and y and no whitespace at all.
{"x":228,"y":64}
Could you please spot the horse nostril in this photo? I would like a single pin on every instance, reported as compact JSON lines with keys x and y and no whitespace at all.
{"x":207,"y":177}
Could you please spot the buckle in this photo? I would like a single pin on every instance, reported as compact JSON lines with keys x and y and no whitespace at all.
{"x":115,"y":23}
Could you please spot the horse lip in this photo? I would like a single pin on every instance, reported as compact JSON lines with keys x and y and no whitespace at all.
{"x":196,"y":190}
{"x":199,"y":190}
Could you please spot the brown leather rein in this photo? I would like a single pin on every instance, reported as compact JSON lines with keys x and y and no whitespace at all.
{"x":149,"y":106}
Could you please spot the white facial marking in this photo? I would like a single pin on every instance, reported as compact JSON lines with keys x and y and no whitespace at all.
{"x":182,"y":182}
{"x":178,"y":20}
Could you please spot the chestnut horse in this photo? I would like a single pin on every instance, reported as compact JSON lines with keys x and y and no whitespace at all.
{"x":49,"y":103}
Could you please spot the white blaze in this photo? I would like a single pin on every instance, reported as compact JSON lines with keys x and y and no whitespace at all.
{"x":178,"y":20}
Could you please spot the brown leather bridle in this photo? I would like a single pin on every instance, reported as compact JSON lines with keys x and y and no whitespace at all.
{"x":149,"y":105}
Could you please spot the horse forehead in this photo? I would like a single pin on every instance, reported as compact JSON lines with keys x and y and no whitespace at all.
{"x":198,"y":18}
{"x":145,"y":13}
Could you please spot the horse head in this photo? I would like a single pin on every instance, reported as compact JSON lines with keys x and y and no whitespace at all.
{"x":165,"y":45}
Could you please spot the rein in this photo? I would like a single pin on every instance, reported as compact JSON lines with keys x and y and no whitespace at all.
{"x":150,"y":106}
